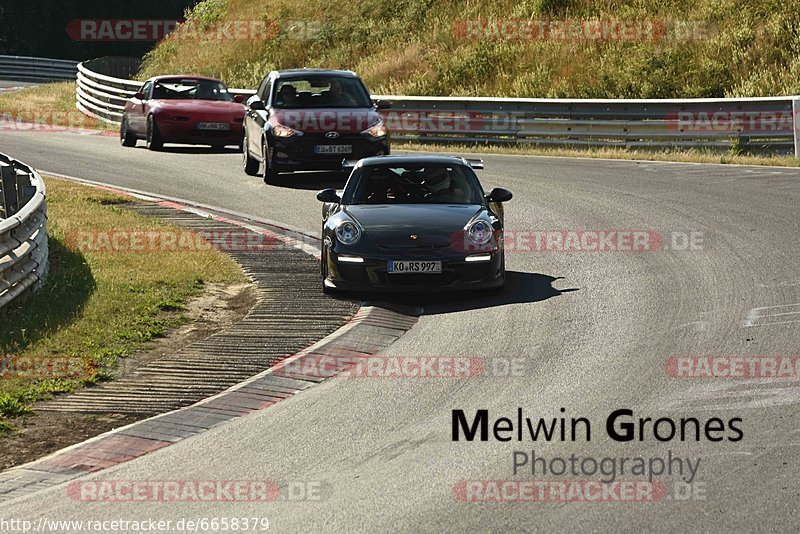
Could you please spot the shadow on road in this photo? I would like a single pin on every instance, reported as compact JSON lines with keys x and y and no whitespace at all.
{"x":520,"y":288}
{"x":312,"y":180}
{"x":195,"y":149}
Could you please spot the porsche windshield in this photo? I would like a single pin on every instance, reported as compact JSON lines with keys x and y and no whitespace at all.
{"x":424,"y":184}
{"x":191,"y":89}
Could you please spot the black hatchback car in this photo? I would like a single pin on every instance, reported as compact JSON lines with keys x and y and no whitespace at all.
{"x":412,"y":223}
{"x":304,"y":119}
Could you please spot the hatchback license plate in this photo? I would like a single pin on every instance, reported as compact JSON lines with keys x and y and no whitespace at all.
{"x":415,"y":267}
{"x":333,"y":149}
{"x":213,"y":126}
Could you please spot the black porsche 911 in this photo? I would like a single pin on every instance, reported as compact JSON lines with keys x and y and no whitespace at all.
{"x":412,"y":223}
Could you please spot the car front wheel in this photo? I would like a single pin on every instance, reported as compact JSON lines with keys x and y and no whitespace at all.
{"x":249,"y":163}
{"x":502,"y":272}
{"x":126,"y":137}
{"x":270,"y":175}
{"x":154,"y":141}
{"x":324,"y":271}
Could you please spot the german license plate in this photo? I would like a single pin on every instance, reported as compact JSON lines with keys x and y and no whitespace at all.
{"x":213,"y":126}
{"x":333,"y":149}
{"x":415,"y":267}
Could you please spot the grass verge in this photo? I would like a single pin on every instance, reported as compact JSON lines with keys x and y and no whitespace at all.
{"x":96,"y":307}
{"x":49,"y":104}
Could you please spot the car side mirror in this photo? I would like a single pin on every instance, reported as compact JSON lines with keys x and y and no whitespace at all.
{"x":257,"y":105}
{"x":498,"y":194}
{"x":238,"y":98}
{"x":328,"y":195}
{"x":382,"y":104}
{"x":139,"y":95}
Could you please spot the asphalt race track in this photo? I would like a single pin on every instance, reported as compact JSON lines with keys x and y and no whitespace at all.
{"x":10,"y":86}
{"x":590,"y":332}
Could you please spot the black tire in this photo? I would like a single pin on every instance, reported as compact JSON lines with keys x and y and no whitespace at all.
{"x":323,"y":269}
{"x":126,"y":137}
{"x":249,"y":164}
{"x":502,"y":286}
{"x":154,"y":141}
{"x":270,"y":175}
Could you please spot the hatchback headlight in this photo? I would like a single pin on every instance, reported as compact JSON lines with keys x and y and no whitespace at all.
{"x":348,"y":233}
{"x":479,"y":233}
{"x":279,"y":130}
{"x":379,"y":130}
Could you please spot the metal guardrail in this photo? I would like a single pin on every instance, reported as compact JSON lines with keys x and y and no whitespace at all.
{"x":23,"y":230}
{"x":102,"y":96}
{"x":754,"y":124}
{"x":750,"y":123}
{"x":37,"y":69}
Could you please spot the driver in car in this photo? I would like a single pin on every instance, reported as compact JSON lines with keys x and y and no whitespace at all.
{"x":337,"y":97}
{"x":442,"y":188}
{"x":205,"y":92}
{"x":288,"y":96}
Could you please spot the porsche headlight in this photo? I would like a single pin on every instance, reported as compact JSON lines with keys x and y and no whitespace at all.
{"x":479,"y":233}
{"x":379,"y":130}
{"x":348,"y":233}
{"x":279,"y":130}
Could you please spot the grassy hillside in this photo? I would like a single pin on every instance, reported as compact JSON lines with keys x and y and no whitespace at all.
{"x":735,"y":47}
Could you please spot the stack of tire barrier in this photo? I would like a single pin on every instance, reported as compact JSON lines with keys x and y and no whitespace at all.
{"x":23,"y":230}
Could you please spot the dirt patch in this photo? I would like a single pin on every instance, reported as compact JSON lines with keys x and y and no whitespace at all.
{"x":42,"y":433}
{"x":47,"y":432}
{"x":219,"y":306}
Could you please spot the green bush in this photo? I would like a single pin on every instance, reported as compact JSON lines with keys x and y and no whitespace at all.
{"x":11,"y":407}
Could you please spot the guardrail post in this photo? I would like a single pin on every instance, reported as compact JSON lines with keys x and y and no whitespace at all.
{"x":3,"y":211}
{"x":9,"y":180}
{"x":796,"y":124}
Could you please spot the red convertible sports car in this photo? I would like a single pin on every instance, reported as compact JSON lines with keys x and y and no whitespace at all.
{"x":183,"y":109}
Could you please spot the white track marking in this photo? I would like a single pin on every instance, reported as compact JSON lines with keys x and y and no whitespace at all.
{"x":785,"y":313}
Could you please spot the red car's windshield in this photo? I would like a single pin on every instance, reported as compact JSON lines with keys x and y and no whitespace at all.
{"x":191,"y":89}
